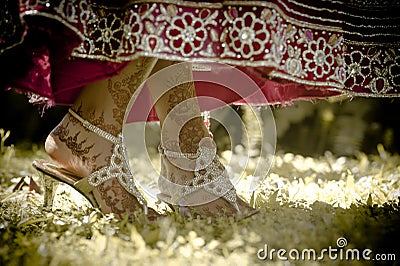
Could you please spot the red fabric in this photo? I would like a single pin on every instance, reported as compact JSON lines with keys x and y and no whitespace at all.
{"x":53,"y":74}
{"x":309,"y":49}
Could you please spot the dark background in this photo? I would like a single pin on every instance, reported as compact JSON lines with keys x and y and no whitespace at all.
{"x":27,"y":123}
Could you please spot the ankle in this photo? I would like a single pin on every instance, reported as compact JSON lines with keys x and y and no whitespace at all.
{"x":180,"y":167}
{"x":96,"y":118}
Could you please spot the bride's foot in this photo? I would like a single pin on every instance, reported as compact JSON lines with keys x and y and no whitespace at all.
{"x":82,"y":152}
{"x":206,"y":192}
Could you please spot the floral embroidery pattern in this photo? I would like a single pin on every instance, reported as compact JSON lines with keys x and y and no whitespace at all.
{"x":318,"y":57}
{"x":248,"y":35}
{"x":187,"y":34}
{"x":358,"y":68}
{"x":372,"y":71}
{"x":263,"y":35}
{"x":107,"y":34}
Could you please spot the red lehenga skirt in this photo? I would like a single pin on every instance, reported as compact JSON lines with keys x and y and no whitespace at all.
{"x":292,"y":49}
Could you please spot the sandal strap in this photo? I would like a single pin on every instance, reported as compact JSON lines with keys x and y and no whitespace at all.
{"x":177,"y":155}
{"x":94,"y":128}
{"x":118,"y":168}
{"x":209,"y":174}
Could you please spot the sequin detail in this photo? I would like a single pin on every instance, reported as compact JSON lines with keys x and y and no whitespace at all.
{"x":330,"y":46}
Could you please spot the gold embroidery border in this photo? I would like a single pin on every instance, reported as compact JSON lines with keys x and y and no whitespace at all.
{"x":334,"y":86}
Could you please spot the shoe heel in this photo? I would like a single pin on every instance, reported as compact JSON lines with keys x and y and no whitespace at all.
{"x":50,"y":186}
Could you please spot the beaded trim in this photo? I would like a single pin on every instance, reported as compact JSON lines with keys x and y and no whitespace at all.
{"x":95,"y":129}
{"x":178,"y":155}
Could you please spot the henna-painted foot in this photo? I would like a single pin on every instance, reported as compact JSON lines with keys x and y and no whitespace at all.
{"x":205,"y":191}
{"x":84,"y":150}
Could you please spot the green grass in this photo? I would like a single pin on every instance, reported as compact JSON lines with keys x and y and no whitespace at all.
{"x":304,"y":203}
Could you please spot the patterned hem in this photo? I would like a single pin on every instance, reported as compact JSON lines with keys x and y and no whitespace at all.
{"x":326,"y":44}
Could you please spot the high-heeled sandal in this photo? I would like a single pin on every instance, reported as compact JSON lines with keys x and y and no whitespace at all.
{"x":209,"y":174}
{"x":118,"y":168}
